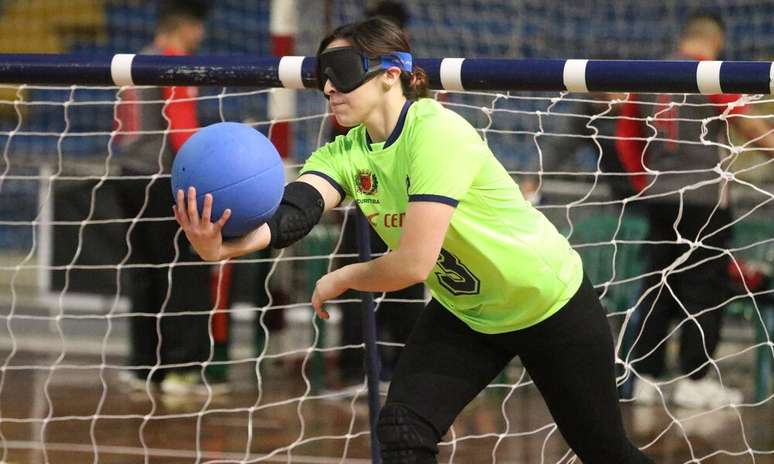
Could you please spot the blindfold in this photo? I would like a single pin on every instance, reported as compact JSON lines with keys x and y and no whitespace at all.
{"x":348,"y":69}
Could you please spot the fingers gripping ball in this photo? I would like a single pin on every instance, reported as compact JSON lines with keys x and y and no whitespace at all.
{"x":239,"y":166}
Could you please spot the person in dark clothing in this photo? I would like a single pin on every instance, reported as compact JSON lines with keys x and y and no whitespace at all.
{"x":154,"y":124}
{"x":687,"y":201}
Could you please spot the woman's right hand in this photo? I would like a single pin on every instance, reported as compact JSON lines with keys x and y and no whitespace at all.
{"x":205,"y":236}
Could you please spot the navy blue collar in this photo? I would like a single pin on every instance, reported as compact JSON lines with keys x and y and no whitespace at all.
{"x":397,"y":130}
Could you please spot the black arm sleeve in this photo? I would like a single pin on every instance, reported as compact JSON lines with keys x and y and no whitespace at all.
{"x":299,"y":211}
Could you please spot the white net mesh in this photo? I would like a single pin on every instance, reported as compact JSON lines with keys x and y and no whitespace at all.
{"x":65,"y":270}
{"x":279,"y":381}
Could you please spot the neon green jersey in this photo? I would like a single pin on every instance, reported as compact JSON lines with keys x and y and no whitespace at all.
{"x":503,"y":266}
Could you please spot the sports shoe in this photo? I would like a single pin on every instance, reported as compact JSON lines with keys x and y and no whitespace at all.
{"x":645,"y":391}
{"x":704,"y":393}
{"x":191,"y":383}
{"x":133,"y":383}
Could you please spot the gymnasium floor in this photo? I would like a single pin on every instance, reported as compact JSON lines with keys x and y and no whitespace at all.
{"x":165,"y":429}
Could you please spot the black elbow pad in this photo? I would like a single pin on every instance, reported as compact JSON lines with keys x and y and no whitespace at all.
{"x":299,"y":211}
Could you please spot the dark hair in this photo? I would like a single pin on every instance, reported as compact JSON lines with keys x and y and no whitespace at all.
{"x":375,"y":37}
{"x":392,"y":11}
{"x":170,"y":12}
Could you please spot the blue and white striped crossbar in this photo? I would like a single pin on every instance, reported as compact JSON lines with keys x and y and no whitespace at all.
{"x":297,"y":72}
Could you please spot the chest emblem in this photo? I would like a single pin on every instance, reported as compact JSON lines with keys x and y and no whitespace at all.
{"x":366,"y":182}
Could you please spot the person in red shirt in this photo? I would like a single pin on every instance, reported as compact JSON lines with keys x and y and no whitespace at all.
{"x":154,"y":123}
{"x":686,"y":197}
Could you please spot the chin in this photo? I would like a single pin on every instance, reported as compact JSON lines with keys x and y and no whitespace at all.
{"x":344,"y":121}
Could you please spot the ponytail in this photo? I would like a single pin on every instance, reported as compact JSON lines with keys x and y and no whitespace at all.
{"x":415,"y":84}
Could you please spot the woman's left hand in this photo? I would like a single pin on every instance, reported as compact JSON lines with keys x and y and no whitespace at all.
{"x":327,"y":288}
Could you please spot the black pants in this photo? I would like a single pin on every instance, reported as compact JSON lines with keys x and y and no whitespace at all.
{"x":569,"y":357}
{"x":152,"y":289}
{"x":696,"y":289}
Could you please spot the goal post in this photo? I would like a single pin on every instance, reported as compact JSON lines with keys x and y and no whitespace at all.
{"x":452,"y":74}
{"x":515,"y":104}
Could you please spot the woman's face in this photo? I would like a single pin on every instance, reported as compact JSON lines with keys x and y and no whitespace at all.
{"x":352,"y":108}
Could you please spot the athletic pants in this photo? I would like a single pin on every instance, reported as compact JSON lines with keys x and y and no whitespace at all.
{"x":697,"y":289}
{"x":569,"y":356}
{"x":184,"y":339}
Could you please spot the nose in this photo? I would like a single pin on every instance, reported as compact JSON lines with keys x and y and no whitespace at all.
{"x":328,"y":88}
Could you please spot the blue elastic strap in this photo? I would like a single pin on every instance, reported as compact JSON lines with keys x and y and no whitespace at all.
{"x":402,"y":60}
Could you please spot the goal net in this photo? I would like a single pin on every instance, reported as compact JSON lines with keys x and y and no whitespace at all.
{"x":66,"y":263}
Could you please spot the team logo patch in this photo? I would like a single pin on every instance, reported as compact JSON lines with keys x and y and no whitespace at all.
{"x":366,"y":182}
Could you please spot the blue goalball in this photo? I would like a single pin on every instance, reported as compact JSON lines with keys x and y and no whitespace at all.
{"x":239,"y":166}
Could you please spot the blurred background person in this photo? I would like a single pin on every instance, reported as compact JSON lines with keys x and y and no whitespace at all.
{"x":167,"y":117}
{"x":689,"y":202}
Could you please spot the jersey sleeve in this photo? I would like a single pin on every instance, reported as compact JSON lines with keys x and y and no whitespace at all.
{"x":629,"y":144}
{"x":324,"y":163}
{"x":444,"y":161}
{"x":180,"y":109}
{"x":723,"y":100}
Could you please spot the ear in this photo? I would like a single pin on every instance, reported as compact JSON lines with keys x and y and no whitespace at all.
{"x":391,"y":77}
